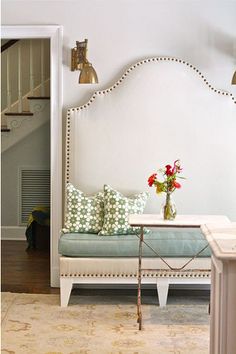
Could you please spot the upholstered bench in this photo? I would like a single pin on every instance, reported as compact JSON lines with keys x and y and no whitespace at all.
{"x":90,"y":258}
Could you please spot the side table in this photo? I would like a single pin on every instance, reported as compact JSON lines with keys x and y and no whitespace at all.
{"x":222,"y":240}
{"x":181,"y":221}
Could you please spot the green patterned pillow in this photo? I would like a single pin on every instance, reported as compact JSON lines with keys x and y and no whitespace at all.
{"x":117,"y":209}
{"x":84,"y":214}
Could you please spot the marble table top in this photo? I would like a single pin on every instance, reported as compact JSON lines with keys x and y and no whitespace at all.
{"x":222,"y":239}
{"x":180,"y":220}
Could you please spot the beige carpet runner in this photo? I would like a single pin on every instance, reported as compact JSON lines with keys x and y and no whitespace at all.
{"x":36,"y":324}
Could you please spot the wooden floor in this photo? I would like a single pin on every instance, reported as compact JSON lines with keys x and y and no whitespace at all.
{"x":25,"y":271}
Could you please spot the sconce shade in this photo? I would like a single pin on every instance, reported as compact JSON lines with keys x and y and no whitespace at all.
{"x":233,"y":82}
{"x":88,"y":75}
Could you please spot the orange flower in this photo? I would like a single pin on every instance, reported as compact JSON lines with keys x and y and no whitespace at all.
{"x":160,"y":187}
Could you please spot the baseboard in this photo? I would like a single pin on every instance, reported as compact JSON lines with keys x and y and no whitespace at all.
{"x":13,"y":233}
{"x":55,"y":277}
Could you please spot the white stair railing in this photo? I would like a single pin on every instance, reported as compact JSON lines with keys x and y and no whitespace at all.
{"x":27,"y":66}
{"x":42,"y":68}
{"x":8,"y":82}
{"x":20,"y":105}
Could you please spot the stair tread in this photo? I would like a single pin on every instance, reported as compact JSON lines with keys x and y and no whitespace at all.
{"x":19,"y":114}
{"x":38,"y":98}
{"x":8,"y":44}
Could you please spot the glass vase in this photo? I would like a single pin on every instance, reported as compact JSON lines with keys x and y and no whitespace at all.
{"x":168,"y":208}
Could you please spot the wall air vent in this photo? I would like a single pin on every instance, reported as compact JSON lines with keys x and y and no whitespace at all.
{"x":35,"y":191}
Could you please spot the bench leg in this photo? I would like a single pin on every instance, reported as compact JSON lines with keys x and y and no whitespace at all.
{"x":162,"y":290}
{"x":65,"y":290}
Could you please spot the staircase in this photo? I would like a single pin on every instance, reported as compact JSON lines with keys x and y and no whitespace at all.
{"x":25,"y":88}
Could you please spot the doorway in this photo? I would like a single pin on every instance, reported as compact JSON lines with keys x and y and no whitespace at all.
{"x":54,"y":34}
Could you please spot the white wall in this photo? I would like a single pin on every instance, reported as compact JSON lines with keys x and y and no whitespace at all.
{"x":124,"y":31}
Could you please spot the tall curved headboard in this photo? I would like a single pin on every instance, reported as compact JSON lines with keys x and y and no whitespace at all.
{"x":160,"y":110}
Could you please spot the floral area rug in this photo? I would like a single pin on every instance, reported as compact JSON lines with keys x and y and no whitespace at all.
{"x":36,"y":324}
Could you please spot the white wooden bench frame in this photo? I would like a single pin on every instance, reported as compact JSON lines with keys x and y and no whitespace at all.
{"x":162,"y":279}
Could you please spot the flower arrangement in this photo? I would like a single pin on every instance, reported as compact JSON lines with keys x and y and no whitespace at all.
{"x":168,"y":186}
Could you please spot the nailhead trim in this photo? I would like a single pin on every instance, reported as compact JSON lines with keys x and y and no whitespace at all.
{"x":117,"y":83}
{"x":68,"y":126}
{"x":153,"y":60}
{"x":162,"y":274}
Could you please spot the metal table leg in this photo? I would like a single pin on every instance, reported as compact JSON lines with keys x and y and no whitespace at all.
{"x":139,"y":311}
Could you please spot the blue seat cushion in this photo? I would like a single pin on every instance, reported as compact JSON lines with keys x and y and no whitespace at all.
{"x":167,"y":242}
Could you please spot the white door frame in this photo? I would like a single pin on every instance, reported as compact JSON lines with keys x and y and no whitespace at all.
{"x":54,"y":33}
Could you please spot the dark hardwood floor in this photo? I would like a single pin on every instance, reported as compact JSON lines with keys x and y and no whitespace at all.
{"x":25,"y":271}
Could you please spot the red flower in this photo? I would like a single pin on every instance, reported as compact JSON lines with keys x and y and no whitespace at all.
{"x":151,"y":179}
{"x":169,"y":170}
{"x":170,"y":174}
{"x":176,"y":184}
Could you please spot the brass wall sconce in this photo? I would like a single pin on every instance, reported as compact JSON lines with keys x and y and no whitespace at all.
{"x":80,"y":62}
{"x":233,"y":82}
